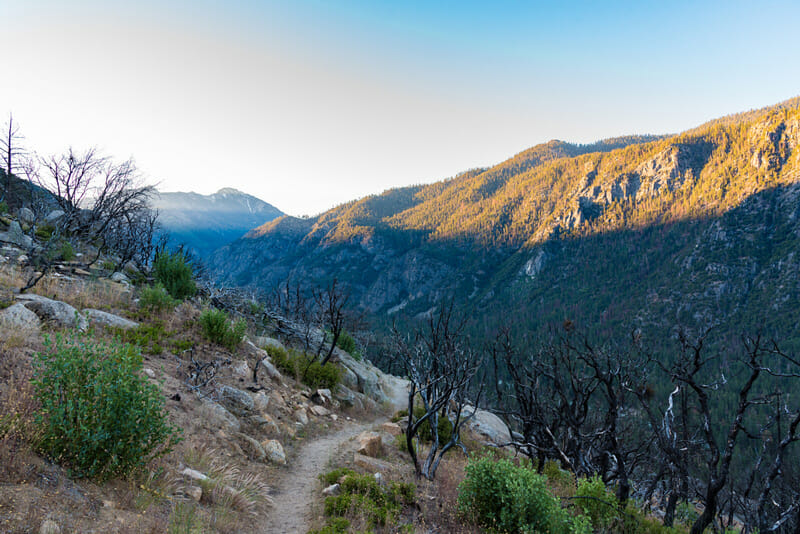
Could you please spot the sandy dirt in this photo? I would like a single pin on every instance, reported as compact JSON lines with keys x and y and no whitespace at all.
{"x":294,"y":494}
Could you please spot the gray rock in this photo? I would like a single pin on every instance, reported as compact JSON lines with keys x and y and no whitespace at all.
{"x":54,"y":217}
{"x":488,"y":426}
{"x":55,"y":311}
{"x":149,"y":372}
{"x":266,"y":423}
{"x":331,"y":490}
{"x":274,"y":451}
{"x":120,"y":278}
{"x":193,"y":474}
{"x":301,"y":416}
{"x":216,"y":416}
{"x":109,"y":319}
{"x":263,"y":341}
{"x":322,"y":396}
{"x":16,"y":236}
{"x":261,"y":401}
{"x":26,"y":216}
{"x":235,"y":400}
{"x":319,"y":411}
{"x":256,"y":449}
{"x":18,"y":317}
{"x":49,"y":526}
{"x":348,"y":398}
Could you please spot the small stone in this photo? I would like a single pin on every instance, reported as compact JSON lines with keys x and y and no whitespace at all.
{"x":378,"y":478}
{"x":319,"y":411}
{"x":274,"y":451}
{"x":195,"y":492}
{"x":235,"y":400}
{"x":49,"y":526}
{"x":371,"y":464}
{"x":334,"y":416}
{"x":322,"y":396}
{"x":120,"y":278}
{"x":333,"y":489}
{"x":369,"y":444}
{"x":241,"y":369}
{"x":300,"y":416}
{"x":193,"y":474}
{"x":260,"y":401}
{"x":149,"y":372}
{"x":108,"y":504}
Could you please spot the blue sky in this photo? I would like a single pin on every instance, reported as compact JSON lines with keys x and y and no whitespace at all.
{"x":310,"y":104}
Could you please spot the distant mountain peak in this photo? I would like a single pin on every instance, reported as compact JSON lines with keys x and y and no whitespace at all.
{"x":230,"y":191}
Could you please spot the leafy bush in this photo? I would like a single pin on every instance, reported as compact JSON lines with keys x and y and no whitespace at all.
{"x":45,"y":231}
{"x":347,"y":343}
{"x":597,"y":502}
{"x":444,"y":426}
{"x":362,"y":496}
{"x":66,"y":251}
{"x":503,"y":497}
{"x":156,"y":299}
{"x":301,"y":366}
{"x":217,"y":329}
{"x":99,"y":414}
{"x":332,"y":477}
{"x":175,"y":272}
{"x":3,"y":208}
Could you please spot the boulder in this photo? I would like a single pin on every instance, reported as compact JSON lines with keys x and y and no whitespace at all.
{"x":193,"y":474}
{"x":301,"y":416}
{"x":392,"y":429}
{"x":55,"y":311}
{"x":322,"y":396}
{"x":488,"y":426}
{"x":235,"y":400}
{"x":195,"y":492}
{"x":16,"y":236}
{"x":372,"y":382}
{"x":18,"y":317}
{"x":255,"y":449}
{"x":261,"y":401}
{"x":109,"y":319}
{"x":266,"y":423}
{"x":319,"y":411}
{"x":120,"y":278}
{"x":26,"y":216}
{"x":215,"y":416}
{"x":54,"y":217}
{"x":373,"y":465}
{"x":369,"y":444}
{"x":274,"y":451}
{"x":348,"y":398}
{"x":263,"y":341}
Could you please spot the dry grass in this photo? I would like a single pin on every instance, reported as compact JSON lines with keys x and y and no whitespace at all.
{"x":17,"y":430}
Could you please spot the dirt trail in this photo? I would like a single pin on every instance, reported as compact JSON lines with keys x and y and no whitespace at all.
{"x":291,"y":511}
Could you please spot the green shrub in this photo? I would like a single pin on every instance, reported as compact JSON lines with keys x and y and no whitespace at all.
{"x":99,"y":415}
{"x":503,"y":497}
{"x":156,"y":299}
{"x":3,"y":208}
{"x":217,"y":329}
{"x":297,"y":363}
{"x":333,"y":477}
{"x":598,"y":503}
{"x":66,"y":252}
{"x":45,"y":231}
{"x":175,"y":272}
{"x":444,"y":425}
{"x":346,"y":342}
{"x":362,"y":496}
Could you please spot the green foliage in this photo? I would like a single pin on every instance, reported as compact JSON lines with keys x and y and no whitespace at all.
{"x":45,"y":231}
{"x":175,"y":272}
{"x":444,"y":426}
{"x":362,"y":496}
{"x":347,"y":343}
{"x":66,"y":252}
{"x":332,"y":477}
{"x":99,"y":415}
{"x":156,"y":299}
{"x":598,"y":502}
{"x":306,"y":368}
{"x":3,"y":207}
{"x":217,"y":329}
{"x":503,"y":497}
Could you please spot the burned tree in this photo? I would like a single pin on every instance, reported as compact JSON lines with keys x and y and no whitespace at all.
{"x":11,"y":150}
{"x":442,"y":370}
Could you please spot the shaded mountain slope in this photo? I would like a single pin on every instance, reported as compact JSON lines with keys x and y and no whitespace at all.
{"x":206,"y":222}
{"x":699,"y":228}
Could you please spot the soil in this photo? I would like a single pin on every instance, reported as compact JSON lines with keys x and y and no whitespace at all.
{"x":294,"y":493}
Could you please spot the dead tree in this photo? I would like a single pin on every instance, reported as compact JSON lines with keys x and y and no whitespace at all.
{"x":441,"y":368}
{"x":331,"y":304}
{"x":11,"y":150}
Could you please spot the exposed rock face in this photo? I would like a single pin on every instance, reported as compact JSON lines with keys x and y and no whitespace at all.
{"x":274,"y":451}
{"x":56,"y":311}
{"x":392,"y":429}
{"x":319,"y":411}
{"x":16,"y":236}
{"x":101,"y":317}
{"x":370,"y":464}
{"x":18,"y":317}
{"x":26,"y":216}
{"x":369,"y":444}
{"x":235,"y":400}
{"x":215,"y":416}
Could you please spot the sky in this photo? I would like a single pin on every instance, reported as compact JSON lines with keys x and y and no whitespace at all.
{"x":308,"y":104}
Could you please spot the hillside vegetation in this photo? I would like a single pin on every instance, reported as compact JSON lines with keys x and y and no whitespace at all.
{"x":698,"y":228}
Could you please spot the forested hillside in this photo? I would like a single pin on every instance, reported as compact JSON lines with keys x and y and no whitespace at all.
{"x":699,"y":229}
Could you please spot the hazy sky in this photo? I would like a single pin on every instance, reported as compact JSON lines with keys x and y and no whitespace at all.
{"x":310,"y":104}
